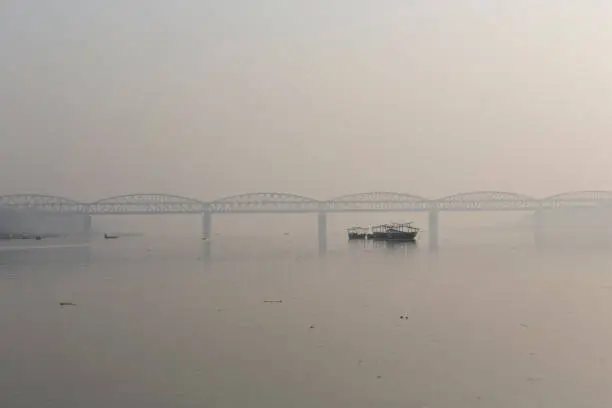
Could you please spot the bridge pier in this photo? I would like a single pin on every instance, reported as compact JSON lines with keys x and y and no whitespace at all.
{"x":206,"y":234}
{"x":538,"y":229}
{"x":322,"y":231}
{"x":86,"y":230}
{"x":433,"y":229}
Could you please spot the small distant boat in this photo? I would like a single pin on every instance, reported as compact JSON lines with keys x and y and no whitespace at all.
{"x":106,"y":236}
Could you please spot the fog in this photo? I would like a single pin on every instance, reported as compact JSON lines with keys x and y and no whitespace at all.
{"x":208,"y":99}
{"x":319,"y":98}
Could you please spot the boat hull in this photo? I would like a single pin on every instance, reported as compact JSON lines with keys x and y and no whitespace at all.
{"x":408,"y":237}
{"x":395,"y":236}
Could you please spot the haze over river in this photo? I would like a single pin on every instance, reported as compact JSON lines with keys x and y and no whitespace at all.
{"x":491,"y":322}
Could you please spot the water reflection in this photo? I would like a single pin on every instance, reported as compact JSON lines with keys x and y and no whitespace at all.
{"x":389,"y":247}
{"x":403,"y":248}
{"x":68,"y":255}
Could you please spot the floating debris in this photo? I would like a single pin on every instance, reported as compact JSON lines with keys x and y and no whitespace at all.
{"x":311,"y":326}
{"x":62,"y":304}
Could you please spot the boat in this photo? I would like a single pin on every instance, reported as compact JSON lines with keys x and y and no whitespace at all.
{"x":379,"y":232}
{"x":396,"y":232}
{"x":403,"y":233}
{"x":106,"y":236}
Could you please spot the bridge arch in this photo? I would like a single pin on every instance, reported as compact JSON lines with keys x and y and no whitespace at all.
{"x":147,"y":203}
{"x":147,"y":198}
{"x":377,"y":201}
{"x":585,"y":195}
{"x":264,"y":202}
{"x":486,"y":196}
{"x":266,"y":197}
{"x":35,"y":199}
{"x":41,"y":202}
{"x":378,"y":196}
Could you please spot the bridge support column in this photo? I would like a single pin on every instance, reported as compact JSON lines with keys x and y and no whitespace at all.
{"x":86,"y":229}
{"x":433,"y":229}
{"x":322,"y":229}
{"x":206,"y":234}
{"x":538,"y":229}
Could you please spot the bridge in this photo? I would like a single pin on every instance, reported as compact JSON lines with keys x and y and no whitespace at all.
{"x":264,"y":202}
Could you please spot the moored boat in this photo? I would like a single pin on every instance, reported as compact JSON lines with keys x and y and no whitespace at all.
{"x":397,"y":232}
{"x":357,"y":233}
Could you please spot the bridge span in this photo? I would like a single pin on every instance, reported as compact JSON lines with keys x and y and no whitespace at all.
{"x":159,"y":204}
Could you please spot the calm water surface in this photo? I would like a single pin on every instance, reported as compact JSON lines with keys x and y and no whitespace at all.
{"x":492,"y":325}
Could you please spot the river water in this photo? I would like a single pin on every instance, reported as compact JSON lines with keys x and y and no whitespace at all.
{"x":489,"y":324}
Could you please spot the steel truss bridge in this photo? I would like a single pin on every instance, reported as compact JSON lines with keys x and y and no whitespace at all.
{"x":158,"y":204}
{"x":132,"y":204}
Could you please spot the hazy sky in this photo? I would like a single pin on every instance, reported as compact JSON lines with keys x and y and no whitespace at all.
{"x":320,"y":98}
